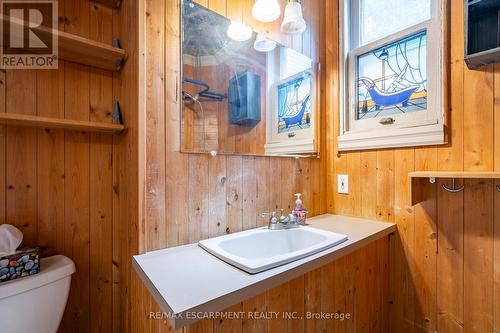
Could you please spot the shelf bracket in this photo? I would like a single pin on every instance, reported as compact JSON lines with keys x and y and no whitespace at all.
{"x":117,"y":44}
{"x":453,"y":188}
{"x":117,"y":113}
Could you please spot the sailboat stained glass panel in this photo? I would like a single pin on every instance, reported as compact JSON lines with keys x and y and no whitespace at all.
{"x":294,"y":104}
{"x":393,"y":79}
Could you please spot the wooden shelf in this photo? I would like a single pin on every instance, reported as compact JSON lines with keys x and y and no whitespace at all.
{"x":81,"y":50}
{"x":455,"y":174}
{"x":417,"y":177}
{"x":14,"y":119}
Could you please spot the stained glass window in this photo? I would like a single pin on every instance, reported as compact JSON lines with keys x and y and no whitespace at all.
{"x":294,"y":104}
{"x":380,"y":18}
{"x":393,"y":79}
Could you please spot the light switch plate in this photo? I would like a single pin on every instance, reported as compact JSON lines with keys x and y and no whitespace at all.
{"x":343,"y":184}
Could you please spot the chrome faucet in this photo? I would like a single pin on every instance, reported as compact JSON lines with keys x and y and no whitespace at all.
{"x":282,"y":222}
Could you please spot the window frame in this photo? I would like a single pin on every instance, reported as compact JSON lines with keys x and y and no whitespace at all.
{"x":412,"y":129}
{"x":303,"y":141}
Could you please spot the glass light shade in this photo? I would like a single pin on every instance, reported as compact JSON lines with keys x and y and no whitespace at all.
{"x":266,"y":10}
{"x":239,"y":32}
{"x":264,"y":44}
{"x":293,"y":22}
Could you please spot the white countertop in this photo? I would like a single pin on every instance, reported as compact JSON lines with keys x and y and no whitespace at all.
{"x":188,"y":279}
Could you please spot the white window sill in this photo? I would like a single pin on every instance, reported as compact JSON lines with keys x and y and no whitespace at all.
{"x":398,"y":137}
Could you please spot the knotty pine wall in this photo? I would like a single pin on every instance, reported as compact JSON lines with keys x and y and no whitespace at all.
{"x":190,"y":197}
{"x":77,"y":192}
{"x":445,"y":261}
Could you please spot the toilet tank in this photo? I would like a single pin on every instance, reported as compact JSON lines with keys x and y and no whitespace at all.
{"x":36,"y":303}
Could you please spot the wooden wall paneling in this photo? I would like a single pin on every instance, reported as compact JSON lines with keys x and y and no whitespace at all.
{"x":425,"y":274}
{"x":202,"y":2}
{"x":77,"y":196}
{"x":368,"y":182}
{"x":121,"y":314}
{"x":450,"y":316}
{"x":198,"y":203}
{"x":385,"y":185}
{"x":77,"y":191}
{"x":331,"y":93}
{"x":451,"y":156}
{"x":234,"y":11}
{"x":117,"y":241}
{"x":129,"y":155}
{"x":293,"y":180}
{"x":21,"y":156}
{"x":313,"y":299}
{"x":155,"y":144}
{"x":218,"y":6}
{"x":217,"y":179}
{"x":50,"y":160}
{"x":101,"y":182}
{"x":317,"y":182}
{"x":296,"y":305}
{"x":354,"y":207}
{"x":305,"y":185}
{"x":234,"y":189}
{"x":257,"y":304}
{"x":402,"y":246}
{"x":496,"y":265}
{"x":450,"y":284}
{"x":382,"y":294}
{"x":278,"y":299}
{"x":362,"y":280}
{"x":249,"y":192}
{"x":289,"y":177}
{"x":478,"y":255}
{"x":230,"y":325}
{"x":478,"y":125}
{"x":176,"y":175}
{"x":263,"y":202}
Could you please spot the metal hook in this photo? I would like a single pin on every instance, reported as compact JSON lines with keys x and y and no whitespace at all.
{"x":498,"y":188}
{"x":453,"y":188}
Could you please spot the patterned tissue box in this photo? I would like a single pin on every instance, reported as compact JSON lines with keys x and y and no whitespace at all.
{"x":20,"y":264}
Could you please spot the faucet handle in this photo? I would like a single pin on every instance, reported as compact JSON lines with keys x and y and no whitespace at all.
{"x":271,"y":215}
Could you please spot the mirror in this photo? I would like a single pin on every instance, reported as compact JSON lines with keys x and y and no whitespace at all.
{"x":243,"y":93}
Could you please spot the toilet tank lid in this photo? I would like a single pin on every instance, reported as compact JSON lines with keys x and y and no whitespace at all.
{"x":51,"y":269}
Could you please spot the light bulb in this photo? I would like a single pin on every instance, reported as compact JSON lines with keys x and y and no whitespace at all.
{"x":264,"y":44}
{"x":239,"y":32}
{"x":266,"y":10}
{"x":293,"y":22}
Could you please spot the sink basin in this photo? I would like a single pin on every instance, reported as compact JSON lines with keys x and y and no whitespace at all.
{"x":261,"y":249}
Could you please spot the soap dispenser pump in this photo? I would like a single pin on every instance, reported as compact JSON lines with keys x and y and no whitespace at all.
{"x":299,"y":211}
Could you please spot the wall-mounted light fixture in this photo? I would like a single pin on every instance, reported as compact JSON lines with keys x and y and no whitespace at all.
{"x":293,"y":22}
{"x":266,"y":10}
{"x":239,"y":32}
{"x":264,"y":44}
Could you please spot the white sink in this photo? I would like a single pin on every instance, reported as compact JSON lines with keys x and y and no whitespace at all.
{"x":261,"y":249}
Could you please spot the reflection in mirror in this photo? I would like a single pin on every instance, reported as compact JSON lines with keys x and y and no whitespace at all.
{"x":242,"y":92}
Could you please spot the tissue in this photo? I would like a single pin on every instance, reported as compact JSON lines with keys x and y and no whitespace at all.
{"x":10,"y":239}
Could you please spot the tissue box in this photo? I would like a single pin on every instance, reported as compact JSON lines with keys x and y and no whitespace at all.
{"x":23,"y":263}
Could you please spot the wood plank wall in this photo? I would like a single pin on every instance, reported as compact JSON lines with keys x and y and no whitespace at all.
{"x":445,"y":261}
{"x":71,"y":191}
{"x":191,"y":197}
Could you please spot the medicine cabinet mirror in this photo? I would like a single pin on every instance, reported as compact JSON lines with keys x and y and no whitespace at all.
{"x":242,"y":92}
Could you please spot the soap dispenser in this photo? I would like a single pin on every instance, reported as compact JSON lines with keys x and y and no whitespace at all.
{"x":299,"y":212}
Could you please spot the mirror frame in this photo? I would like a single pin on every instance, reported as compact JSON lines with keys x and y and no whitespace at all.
{"x":316,"y":70}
